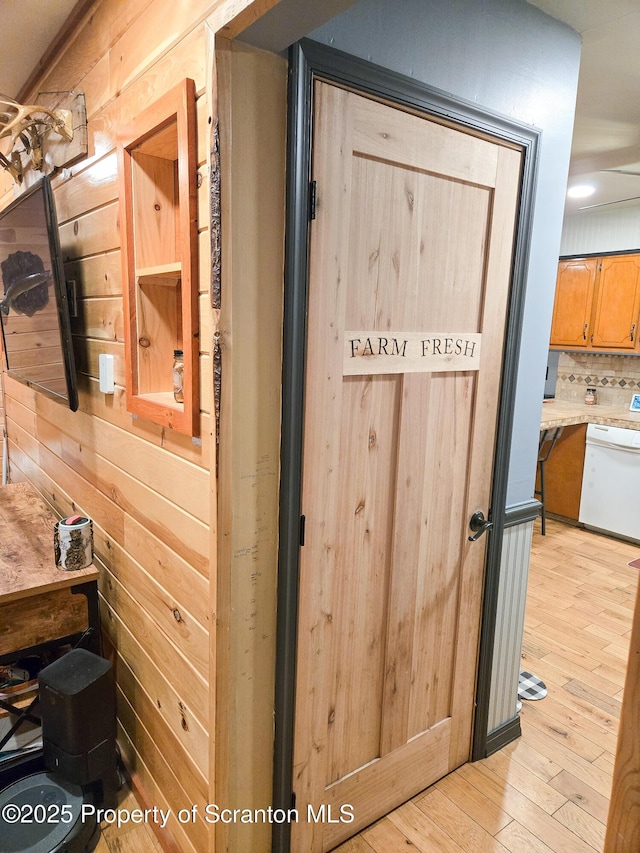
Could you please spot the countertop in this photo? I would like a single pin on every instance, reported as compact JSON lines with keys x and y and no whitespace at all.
{"x":557,"y":413}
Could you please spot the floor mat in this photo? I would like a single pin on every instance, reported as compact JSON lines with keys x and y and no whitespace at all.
{"x":531,"y":687}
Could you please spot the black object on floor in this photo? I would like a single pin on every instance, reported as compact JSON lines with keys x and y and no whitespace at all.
{"x":42,"y":813}
{"x":77,"y":706}
{"x":51,"y":800}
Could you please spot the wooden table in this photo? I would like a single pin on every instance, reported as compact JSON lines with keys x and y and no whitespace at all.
{"x":39,"y":603}
{"x":41,"y":606}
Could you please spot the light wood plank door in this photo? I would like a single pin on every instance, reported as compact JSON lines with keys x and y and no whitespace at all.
{"x":573,"y":303}
{"x":410,"y":261}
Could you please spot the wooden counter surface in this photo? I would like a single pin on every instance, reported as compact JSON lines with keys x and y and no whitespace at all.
{"x":557,"y":413}
{"x":27,"y":562}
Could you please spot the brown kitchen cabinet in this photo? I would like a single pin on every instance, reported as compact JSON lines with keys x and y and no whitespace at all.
{"x":575,"y":287}
{"x":617,"y":303}
{"x":563,"y":473}
{"x":597,"y":304}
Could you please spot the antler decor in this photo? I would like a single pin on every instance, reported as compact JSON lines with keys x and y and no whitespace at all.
{"x":29,"y":123}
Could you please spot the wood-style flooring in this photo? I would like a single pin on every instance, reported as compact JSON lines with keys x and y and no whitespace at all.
{"x":549,"y":790}
{"x":128,"y":838}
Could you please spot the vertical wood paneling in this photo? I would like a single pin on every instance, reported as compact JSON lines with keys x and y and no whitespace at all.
{"x":512,"y":591}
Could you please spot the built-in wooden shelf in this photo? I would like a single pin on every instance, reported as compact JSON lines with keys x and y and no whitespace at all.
{"x":157,"y":173}
{"x":162,"y":398}
{"x":166,"y":274}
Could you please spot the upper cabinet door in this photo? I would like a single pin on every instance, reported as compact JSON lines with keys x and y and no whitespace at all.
{"x":574,"y":298}
{"x":617,"y":303}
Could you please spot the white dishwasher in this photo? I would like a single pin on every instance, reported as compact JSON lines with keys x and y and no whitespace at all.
{"x":610,"y":498}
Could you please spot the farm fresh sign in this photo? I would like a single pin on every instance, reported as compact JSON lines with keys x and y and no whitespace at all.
{"x":410,"y":352}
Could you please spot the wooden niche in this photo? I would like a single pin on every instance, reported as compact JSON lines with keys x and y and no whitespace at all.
{"x":157,"y":174}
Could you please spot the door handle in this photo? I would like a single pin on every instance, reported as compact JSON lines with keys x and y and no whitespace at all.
{"x":633,"y":332}
{"x":479,"y":524}
{"x":584,"y":331}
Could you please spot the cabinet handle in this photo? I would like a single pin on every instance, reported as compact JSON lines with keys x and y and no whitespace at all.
{"x":632,"y":334}
{"x":584,"y":331}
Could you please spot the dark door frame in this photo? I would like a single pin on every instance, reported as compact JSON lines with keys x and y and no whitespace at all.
{"x":308,"y":61}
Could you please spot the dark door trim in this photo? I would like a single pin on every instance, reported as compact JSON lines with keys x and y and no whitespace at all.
{"x":309,"y":60}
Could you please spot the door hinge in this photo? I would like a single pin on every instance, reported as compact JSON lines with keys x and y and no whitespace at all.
{"x":302,"y":526}
{"x":312,"y":200}
{"x":293,"y":800}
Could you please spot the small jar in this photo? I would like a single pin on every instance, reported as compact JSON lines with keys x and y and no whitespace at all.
{"x":73,"y":543}
{"x":591,"y":397}
{"x":178,"y":375}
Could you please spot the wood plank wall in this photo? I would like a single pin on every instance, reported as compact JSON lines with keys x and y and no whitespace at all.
{"x":148,"y":490}
{"x":4,"y":448}
{"x":252,"y":88}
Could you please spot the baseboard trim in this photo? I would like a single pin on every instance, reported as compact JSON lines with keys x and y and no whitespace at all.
{"x":503,"y":735}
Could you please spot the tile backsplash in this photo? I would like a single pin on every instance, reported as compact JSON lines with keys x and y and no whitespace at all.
{"x":616,"y":377}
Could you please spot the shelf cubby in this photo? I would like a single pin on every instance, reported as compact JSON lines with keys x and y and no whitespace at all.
{"x":157,"y":173}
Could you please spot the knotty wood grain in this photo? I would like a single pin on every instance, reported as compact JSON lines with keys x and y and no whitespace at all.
{"x":40,"y":618}
{"x":390,"y":588}
{"x":123,"y":62}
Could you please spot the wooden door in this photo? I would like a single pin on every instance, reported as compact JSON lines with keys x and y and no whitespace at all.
{"x":410,"y":260}
{"x":573,"y":303}
{"x":617,"y":303}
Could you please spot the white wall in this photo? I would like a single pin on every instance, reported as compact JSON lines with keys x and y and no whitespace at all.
{"x":513,"y":59}
{"x":615,"y":230}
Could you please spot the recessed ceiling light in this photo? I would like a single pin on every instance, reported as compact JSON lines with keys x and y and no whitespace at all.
{"x":581,"y":191}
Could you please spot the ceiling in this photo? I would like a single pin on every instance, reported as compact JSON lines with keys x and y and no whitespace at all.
{"x":606,"y":143}
{"x":30,"y":26}
{"x":606,"y":138}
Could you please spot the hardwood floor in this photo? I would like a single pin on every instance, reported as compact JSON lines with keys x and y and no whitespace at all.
{"x":129,"y":838}
{"x":549,"y":790}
